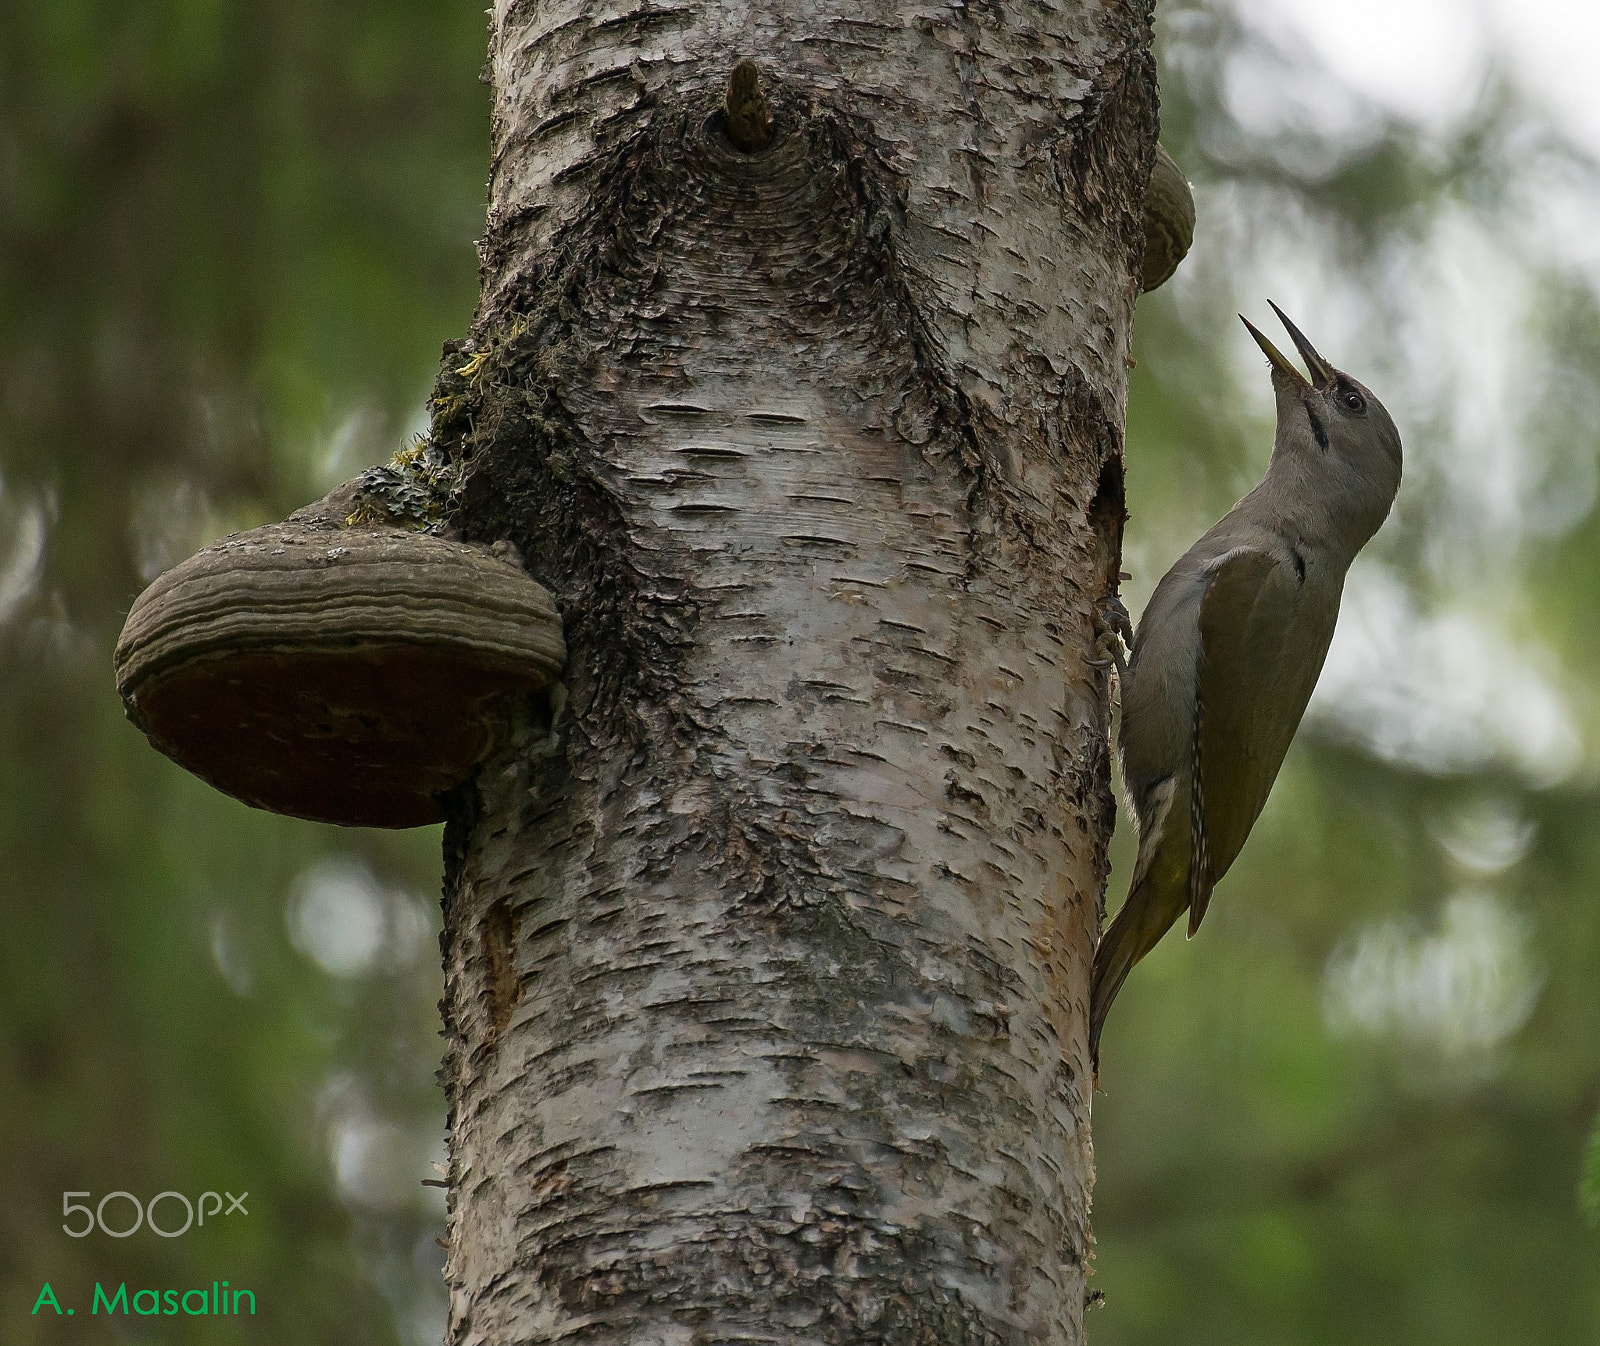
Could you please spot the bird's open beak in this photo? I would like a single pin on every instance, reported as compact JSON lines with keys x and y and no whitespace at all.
{"x":1273,"y":353}
{"x":1322,"y":373}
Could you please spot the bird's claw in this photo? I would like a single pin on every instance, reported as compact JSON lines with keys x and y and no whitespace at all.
{"x":1115,"y":630}
{"x":1115,"y":616}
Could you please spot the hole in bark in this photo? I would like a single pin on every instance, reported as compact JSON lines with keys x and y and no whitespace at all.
{"x":1108,"y":511}
{"x":499,"y":935}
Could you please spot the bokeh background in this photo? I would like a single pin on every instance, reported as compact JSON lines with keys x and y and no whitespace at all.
{"x":1356,"y":1109}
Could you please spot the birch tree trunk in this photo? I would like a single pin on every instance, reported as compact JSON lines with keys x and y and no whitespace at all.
{"x":767,"y":954}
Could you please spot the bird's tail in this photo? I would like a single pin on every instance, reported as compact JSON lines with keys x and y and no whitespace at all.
{"x":1139,"y":923}
{"x":1113,"y":960}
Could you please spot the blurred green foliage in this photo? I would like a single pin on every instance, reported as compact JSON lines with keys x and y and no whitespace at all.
{"x":232,"y":240}
{"x":1356,"y":1108}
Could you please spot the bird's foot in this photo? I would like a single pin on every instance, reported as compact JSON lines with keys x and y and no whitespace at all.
{"x":1115,"y":616}
{"x":1114,"y":630}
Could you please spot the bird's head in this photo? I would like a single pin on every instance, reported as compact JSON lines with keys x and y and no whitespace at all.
{"x":1331,"y":419}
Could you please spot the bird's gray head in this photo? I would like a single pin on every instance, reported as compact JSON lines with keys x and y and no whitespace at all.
{"x":1333,"y":435}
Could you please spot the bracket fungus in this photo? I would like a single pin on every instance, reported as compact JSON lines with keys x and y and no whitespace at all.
{"x":340,"y":671}
{"x":1168,"y":221}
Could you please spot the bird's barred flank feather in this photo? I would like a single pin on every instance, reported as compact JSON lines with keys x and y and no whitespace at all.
{"x":1200,"y":881}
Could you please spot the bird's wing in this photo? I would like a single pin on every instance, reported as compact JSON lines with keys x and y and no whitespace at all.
{"x":1248,"y":703}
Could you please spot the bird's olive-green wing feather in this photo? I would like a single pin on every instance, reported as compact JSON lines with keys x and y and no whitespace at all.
{"x":1248,"y":704}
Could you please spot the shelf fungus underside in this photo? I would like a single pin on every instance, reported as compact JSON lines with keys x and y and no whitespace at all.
{"x":346,"y":675}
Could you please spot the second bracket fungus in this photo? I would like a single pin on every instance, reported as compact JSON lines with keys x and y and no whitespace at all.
{"x":1168,"y":221}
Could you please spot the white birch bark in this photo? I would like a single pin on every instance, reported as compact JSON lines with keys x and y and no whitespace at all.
{"x":768,"y":961}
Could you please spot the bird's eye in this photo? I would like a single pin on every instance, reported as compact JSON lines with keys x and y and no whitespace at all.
{"x":1353,"y":401}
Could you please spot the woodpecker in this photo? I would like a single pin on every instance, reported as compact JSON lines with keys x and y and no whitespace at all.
{"x":1230,"y":646}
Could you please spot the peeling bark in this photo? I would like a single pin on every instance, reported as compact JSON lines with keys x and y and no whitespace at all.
{"x":767,"y":958}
